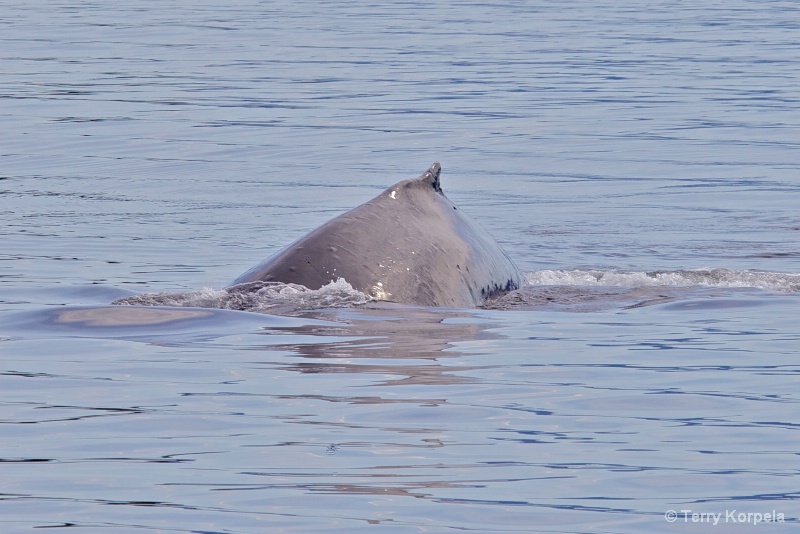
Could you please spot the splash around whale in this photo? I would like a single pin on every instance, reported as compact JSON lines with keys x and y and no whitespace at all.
{"x":409,"y":245}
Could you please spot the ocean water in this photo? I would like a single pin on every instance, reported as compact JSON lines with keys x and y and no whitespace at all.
{"x":637,"y":160}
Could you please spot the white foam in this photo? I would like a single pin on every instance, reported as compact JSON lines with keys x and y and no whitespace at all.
{"x":257,"y":296}
{"x":276,"y":297}
{"x":784,"y":282}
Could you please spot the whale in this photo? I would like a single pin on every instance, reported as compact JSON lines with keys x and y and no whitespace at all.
{"x":409,"y":245}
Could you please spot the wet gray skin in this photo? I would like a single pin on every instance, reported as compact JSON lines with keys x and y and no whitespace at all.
{"x":410,"y":244}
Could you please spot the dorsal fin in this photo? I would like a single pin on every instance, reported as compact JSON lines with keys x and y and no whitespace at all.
{"x":432,"y":176}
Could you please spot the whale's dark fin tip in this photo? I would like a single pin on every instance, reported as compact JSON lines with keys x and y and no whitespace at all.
{"x":432,"y":174}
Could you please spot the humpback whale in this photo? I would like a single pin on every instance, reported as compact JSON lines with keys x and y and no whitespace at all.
{"x":410,"y":245}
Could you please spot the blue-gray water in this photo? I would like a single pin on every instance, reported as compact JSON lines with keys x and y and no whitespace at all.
{"x":638,"y":160}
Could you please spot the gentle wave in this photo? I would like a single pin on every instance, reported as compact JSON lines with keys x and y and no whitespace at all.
{"x":280,"y":298}
{"x":269,"y":297}
{"x":773,"y":281}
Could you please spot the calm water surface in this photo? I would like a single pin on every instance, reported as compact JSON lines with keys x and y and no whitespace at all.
{"x":638,"y":161}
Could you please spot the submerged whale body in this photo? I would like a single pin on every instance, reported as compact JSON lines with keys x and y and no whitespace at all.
{"x":409,"y":244}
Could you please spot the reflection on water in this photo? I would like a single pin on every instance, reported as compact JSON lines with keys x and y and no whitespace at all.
{"x":408,"y":417}
{"x":128,"y":317}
